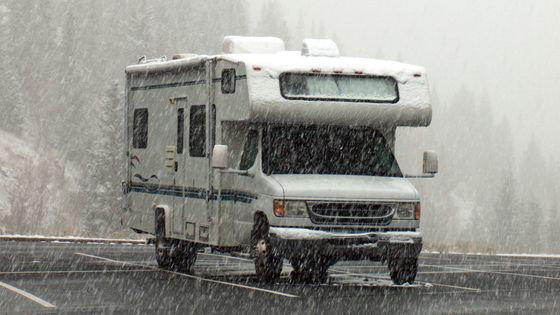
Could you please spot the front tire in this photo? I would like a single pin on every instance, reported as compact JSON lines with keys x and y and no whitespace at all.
{"x":268,"y":261}
{"x":403,"y":270}
{"x":310,"y":269}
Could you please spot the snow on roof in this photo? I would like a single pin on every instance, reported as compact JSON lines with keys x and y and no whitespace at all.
{"x":319,"y":47}
{"x":266,"y":56}
{"x":187,"y":60}
{"x":292,"y":61}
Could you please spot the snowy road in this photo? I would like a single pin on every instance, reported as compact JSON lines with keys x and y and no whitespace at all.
{"x":93,"y":278}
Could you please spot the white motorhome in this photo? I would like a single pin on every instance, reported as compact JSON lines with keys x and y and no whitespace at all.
{"x":278,"y":154}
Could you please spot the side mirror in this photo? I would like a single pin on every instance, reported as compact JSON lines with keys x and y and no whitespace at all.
{"x":430,"y":162}
{"x":220,"y":156}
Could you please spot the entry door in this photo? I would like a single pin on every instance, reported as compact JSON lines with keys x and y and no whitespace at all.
{"x":179,"y":166}
{"x":196,"y":171}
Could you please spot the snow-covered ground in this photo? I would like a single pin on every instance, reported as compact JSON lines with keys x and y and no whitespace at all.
{"x":26,"y":172}
{"x":13,"y":152}
{"x":498,"y":254}
{"x":70,"y":239}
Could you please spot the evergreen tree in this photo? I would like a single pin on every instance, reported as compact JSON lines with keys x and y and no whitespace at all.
{"x":105,"y":171}
{"x":270,"y":23}
{"x":506,"y":213}
{"x":11,"y":102}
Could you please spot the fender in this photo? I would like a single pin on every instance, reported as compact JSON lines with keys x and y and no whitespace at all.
{"x":167,"y":212}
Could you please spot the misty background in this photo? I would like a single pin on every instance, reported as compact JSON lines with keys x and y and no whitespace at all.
{"x":493,"y":69}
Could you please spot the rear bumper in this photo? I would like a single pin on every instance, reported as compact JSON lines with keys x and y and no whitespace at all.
{"x":377,"y":246}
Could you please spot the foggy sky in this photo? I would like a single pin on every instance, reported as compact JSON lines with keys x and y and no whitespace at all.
{"x":507,"y":50}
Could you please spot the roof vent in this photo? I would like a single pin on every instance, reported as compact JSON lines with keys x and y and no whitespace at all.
{"x":143,"y":60}
{"x":252,"y":45}
{"x":319,"y":47}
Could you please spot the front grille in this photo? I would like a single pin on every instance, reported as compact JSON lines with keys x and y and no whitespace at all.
{"x":351,"y":213}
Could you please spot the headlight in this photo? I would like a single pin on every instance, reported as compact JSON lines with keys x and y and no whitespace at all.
{"x":405,"y":210}
{"x":289,"y":208}
{"x":296,"y":208}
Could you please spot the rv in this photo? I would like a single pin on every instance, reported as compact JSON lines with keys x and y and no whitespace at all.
{"x":281,"y":155}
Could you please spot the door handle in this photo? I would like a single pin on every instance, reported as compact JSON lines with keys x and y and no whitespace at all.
{"x":176,"y":166}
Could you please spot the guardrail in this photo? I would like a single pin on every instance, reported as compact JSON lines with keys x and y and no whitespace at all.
{"x":71,"y":239}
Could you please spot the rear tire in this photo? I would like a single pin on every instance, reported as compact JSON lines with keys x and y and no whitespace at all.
{"x":162,"y":244}
{"x":183,"y":255}
{"x":403,"y":270}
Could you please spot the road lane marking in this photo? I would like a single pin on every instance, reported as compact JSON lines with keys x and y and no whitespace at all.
{"x":452,"y":286}
{"x":4,"y":273}
{"x":419,"y":282}
{"x":498,"y":272}
{"x":542,"y":266}
{"x":227,"y":257}
{"x":28,"y":295}
{"x":192,"y":276}
{"x":444,"y":272}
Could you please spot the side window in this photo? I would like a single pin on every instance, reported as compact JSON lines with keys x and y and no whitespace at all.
{"x":213,"y":125}
{"x":140,"y":129}
{"x":180,"y":129}
{"x":250,"y":150}
{"x":228,"y":81}
{"x":197,"y":131}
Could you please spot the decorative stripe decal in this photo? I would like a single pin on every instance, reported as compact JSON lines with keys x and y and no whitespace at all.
{"x":184,"y":83}
{"x":237,"y":77}
{"x":145,"y":179}
{"x":192,"y":192}
{"x":167,"y":85}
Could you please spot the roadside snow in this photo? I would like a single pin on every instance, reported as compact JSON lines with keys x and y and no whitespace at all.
{"x":500,"y":255}
{"x":69,"y":239}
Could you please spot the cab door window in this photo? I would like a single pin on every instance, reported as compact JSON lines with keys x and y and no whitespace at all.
{"x":197,"y":131}
{"x":250,"y":150}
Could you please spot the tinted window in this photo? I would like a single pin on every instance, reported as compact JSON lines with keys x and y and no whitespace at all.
{"x":250,"y":150}
{"x":180,"y":129}
{"x":140,"y":129}
{"x":339,"y":88}
{"x":228,"y":81}
{"x":213,"y":126}
{"x":327,"y":150}
{"x":197,"y":131}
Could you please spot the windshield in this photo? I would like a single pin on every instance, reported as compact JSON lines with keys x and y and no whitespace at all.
{"x":339,"y":87}
{"x":327,"y":150}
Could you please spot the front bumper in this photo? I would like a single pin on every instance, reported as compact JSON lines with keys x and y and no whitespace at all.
{"x":377,"y":246}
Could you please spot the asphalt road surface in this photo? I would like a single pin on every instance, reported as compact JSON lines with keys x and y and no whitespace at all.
{"x":69,"y":278}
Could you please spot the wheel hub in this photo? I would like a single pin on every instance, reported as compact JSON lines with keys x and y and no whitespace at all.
{"x":261,"y":248}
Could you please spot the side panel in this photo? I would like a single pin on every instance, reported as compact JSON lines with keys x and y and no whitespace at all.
{"x":158,"y":173}
{"x":190,"y":193}
{"x":150,"y":180}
